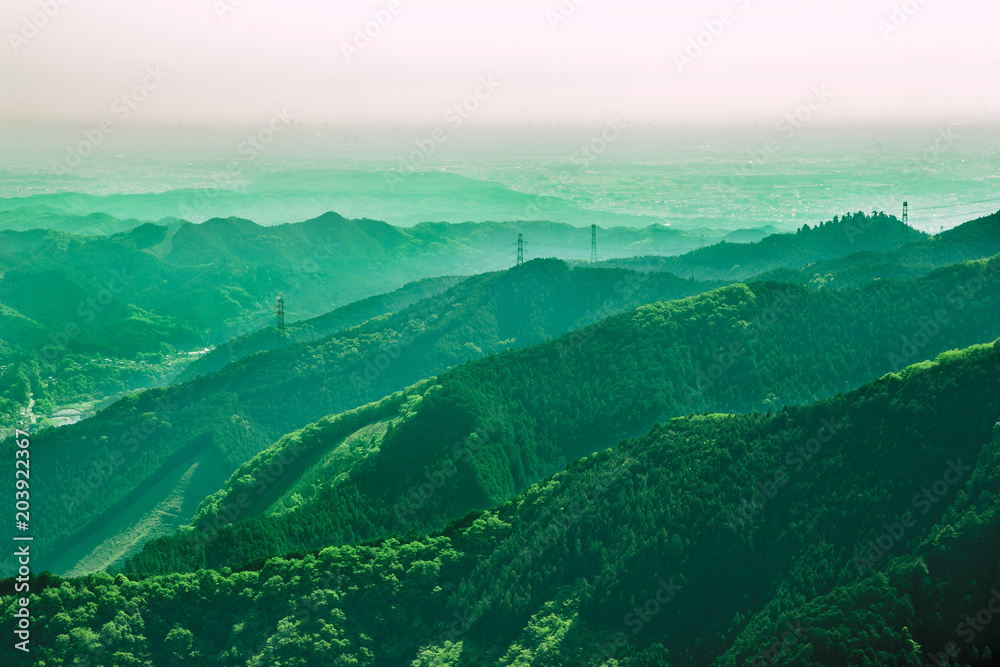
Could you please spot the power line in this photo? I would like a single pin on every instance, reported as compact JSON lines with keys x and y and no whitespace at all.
{"x":970,"y":203}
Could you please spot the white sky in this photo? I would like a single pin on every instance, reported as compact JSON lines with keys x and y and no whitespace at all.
{"x":608,"y":58}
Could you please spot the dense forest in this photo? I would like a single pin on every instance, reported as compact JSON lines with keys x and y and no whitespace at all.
{"x":975,"y":239}
{"x":843,"y":236}
{"x":135,"y":325}
{"x":486,"y":430}
{"x":340,"y":319}
{"x":235,"y":413}
{"x":218,"y":412}
{"x":413,"y":476}
{"x":90,"y":315}
{"x":858,"y":530}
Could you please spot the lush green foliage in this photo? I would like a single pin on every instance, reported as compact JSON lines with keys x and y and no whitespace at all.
{"x":630,"y":557}
{"x":973,"y":240}
{"x":86,"y":468}
{"x":854,"y":233}
{"x":340,"y":319}
{"x":488,"y":429}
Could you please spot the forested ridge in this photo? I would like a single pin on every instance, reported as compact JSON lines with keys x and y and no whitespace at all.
{"x":86,"y":468}
{"x":346,"y":317}
{"x":441,"y":502}
{"x":486,"y":430}
{"x":975,"y":239}
{"x":233,"y":412}
{"x":842,"y":236}
{"x":630,"y":556}
{"x":84,"y":319}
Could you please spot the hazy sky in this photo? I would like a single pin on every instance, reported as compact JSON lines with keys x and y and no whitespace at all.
{"x":234,"y":61}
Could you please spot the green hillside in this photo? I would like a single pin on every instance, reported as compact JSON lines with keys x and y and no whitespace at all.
{"x":84,"y":319}
{"x":339,"y":319}
{"x":242,"y":409}
{"x":840,"y":237}
{"x":488,"y":429}
{"x":868,"y":538}
{"x":972,"y":240}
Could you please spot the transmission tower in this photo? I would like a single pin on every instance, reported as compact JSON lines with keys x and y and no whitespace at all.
{"x":904,"y":232}
{"x":593,"y":244}
{"x":520,"y":249}
{"x":702,"y":243}
{"x":279,"y":314}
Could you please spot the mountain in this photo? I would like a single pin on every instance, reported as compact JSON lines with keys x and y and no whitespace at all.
{"x":398,"y":197}
{"x":841,"y":237}
{"x":486,"y":430}
{"x":84,"y":319}
{"x":47,"y":217}
{"x":974,"y":240}
{"x":235,"y":411}
{"x":858,"y":530}
{"x":339,"y":319}
{"x":971,"y":240}
{"x":215,"y":423}
{"x":225,"y":399}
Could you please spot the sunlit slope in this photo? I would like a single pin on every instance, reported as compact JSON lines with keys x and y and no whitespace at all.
{"x":486,"y":430}
{"x":241,"y":409}
{"x":710,"y":540}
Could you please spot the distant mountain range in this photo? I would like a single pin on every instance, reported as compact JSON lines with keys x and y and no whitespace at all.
{"x":442,"y":323}
{"x":92,"y":312}
{"x":399,"y":198}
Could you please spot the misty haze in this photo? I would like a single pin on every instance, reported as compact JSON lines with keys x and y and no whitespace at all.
{"x":441,"y":333}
